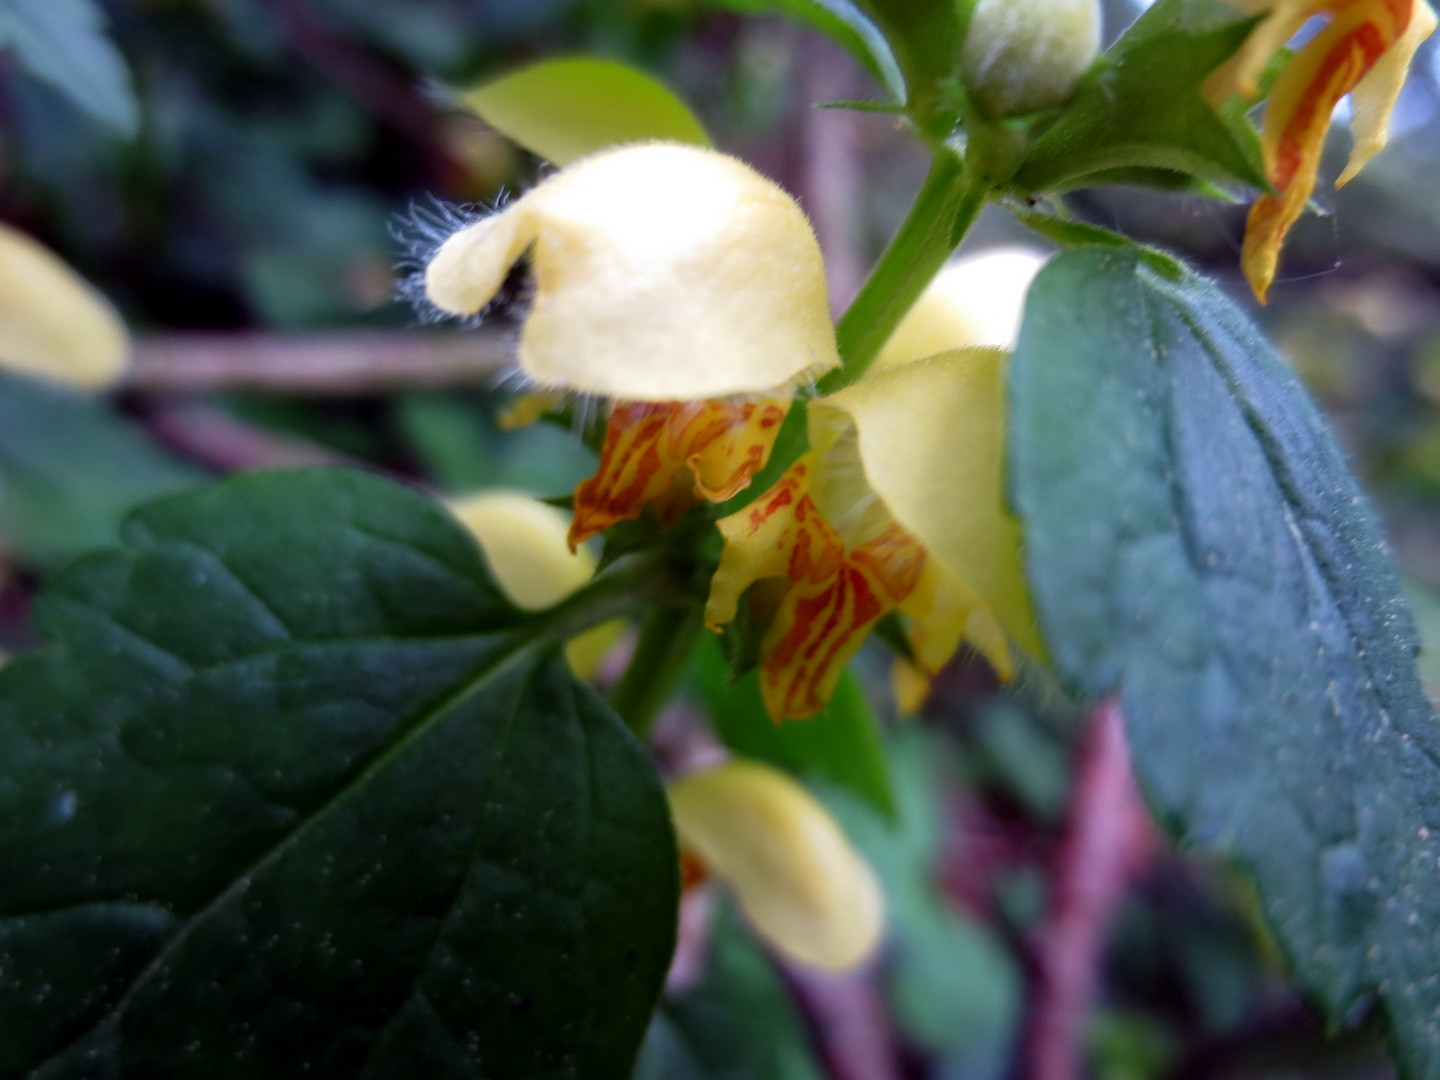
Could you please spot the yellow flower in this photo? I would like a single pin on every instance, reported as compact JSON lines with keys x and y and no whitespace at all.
{"x":1364,"y":51}
{"x":524,"y":541}
{"x":976,"y":300}
{"x":678,"y":284}
{"x":55,"y":324}
{"x":796,"y":877}
{"x":898,"y":506}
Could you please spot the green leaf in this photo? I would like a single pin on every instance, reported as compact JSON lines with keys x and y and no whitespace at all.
{"x":566,"y":109}
{"x":1141,"y":109}
{"x":294,"y":793}
{"x":70,"y":469}
{"x":1195,"y":543}
{"x":843,"y":22}
{"x":841,"y":743}
{"x":63,"y":43}
{"x":924,"y":36}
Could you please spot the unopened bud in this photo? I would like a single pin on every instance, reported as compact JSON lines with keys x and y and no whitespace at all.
{"x":1021,"y":56}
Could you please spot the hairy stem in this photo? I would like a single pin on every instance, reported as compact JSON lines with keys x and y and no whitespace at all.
{"x":619,"y":590}
{"x":944,"y":209}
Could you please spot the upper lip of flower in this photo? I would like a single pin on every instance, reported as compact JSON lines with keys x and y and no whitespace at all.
{"x":663,"y":272}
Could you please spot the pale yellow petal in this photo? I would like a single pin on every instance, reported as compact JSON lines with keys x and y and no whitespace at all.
{"x":662,"y":272}
{"x":467,"y":271}
{"x":1373,"y":99}
{"x":524,"y":541}
{"x":976,"y":300}
{"x":909,"y":686}
{"x":796,"y":877}
{"x":1242,"y":72}
{"x":931,"y":444}
{"x":52,"y":322}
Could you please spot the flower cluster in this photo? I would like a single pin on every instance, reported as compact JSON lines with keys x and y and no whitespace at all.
{"x":688,"y":292}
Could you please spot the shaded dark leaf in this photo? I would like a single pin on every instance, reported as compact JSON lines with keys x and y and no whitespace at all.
{"x":296,"y":793}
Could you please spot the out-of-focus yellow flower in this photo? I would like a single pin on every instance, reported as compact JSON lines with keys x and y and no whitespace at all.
{"x":976,"y":300}
{"x":677,"y":283}
{"x":52,"y":322}
{"x":525,"y":543}
{"x":1364,"y":51}
{"x":898,"y":506}
{"x":796,"y":877}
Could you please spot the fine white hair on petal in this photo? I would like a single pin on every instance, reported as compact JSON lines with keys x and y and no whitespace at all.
{"x":586,"y":411}
{"x":420,"y":231}
{"x":512,"y":379}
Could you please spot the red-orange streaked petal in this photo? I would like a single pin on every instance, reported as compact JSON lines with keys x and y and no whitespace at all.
{"x":633,"y":470}
{"x":1297,"y":119}
{"x":724,"y":463}
{"x":758,"y":541}
{"x":661,"y":454}
{"x":820,"y":626}
{"x":829,"y":610}
{"x":833,"y":596}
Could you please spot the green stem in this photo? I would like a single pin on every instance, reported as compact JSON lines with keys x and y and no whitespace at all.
{"x":667,"y":637}
{"x":944,"y":209}
{"x":615,"y":592}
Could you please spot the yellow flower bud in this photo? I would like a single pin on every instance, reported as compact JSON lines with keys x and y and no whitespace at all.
{"x":524,"y":541}
{"x":797,"y":878}
{"x":53,"y":323}
{"x":663,"y":272}
{"x":1021,"y":56}
{"x":974,"y":301}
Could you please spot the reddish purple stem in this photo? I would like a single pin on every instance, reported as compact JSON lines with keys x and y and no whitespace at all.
{"x":849,"y":1021}
{"x":1107,"y":838}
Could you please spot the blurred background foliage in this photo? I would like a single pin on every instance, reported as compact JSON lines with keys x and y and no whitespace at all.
{"x":229,"y":173}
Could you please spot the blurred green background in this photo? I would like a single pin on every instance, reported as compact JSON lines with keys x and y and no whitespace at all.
{"x":228,"y":172}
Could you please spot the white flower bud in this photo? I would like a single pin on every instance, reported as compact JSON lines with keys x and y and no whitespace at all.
{"x":1021,"y":56}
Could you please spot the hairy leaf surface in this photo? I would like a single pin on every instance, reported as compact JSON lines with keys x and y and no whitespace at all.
{"x":1195,"y":542}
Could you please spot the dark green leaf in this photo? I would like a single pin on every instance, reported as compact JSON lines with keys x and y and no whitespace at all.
{"x":63,"y":42}
{"x":840,"y":744}
{"x":1141,"y":109}
{"x":291,"y":795}
{"x":1195,"y":542}
{"x":845,"y":23}
{"x":70,"y":469}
